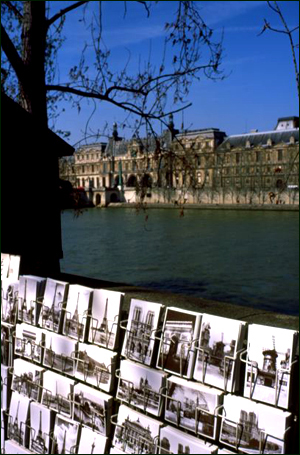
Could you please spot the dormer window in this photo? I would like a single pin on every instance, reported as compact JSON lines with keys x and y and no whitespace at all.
{"x":292,"y":140}
{"x":248,"y":144}
{"x":269,"y":142}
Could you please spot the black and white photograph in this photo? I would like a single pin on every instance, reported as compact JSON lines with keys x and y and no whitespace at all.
{"x":41,"y":419}
{"x":95,"y":366}
{"x":59,"y":353}
{"x":104,"y":322}
{"x":141,"y":386}
{"x":14,"y":267}
{"x":225,"y":451}
{"x":65,"y":435}
{"x":76,"y":312}
{"x":177,"y":348}
{"x":4,"y":265}
{"x":91,"y":442}
{"x":12,"y":447}
{"x":140,"y":334}
{"x":28,"y":342}
{"x":219,"y":340}
{"x":53,"y":303}
{"x":30,"y":289}
{"x":17,"y":419}
{"x":270,"y":353}
{"x":5,"y":386}
{"x":57,"y":393}
{"x":136,"y":433}
{"x":92,"y":408}
{"x":6,"y":344}
{"x":175,"y":441}
{"x":246,"y":423}
{"x":192,"y":406}
{"x":9,"y":300}
{"x":116,"y":450}
{"x":27,"y":379}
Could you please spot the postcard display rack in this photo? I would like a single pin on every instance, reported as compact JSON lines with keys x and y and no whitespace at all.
{"x":76,"y":377}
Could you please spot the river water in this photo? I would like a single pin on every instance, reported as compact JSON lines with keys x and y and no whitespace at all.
{"x":243,"y":257}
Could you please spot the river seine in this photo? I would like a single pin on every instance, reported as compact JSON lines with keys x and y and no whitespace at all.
{"x":243,"y":257}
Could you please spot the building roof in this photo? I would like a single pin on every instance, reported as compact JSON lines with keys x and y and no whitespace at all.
{"x":260,"y":138}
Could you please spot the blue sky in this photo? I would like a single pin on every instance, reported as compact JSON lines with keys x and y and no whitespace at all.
{"x":260,"y":86}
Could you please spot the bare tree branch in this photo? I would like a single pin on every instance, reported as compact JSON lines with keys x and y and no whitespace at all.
{"x":12,"y":54}
{"x":14,"y":9}
{"x":64,"y":11}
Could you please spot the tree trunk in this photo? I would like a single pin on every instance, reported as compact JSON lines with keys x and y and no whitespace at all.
{"x":33,"y":85}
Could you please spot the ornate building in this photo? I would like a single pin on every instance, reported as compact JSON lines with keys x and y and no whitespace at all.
{"x":199,"y":166}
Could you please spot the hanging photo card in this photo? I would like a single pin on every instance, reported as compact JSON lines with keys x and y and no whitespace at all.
{"x":175,"y":441}
{"x":4,"y":265}
{"x":5,"y":386}
{"x":27,"y":379}
{"x":30,"y":289}
{"x":7,"y":344}
{"x":57,"y":393}
{"x":253,"y":427}
{"x":141,"y":329}
{"x":53,"y":304}
{"x":220,"y":340}
{"x":115,"y":450}
{"x":177,"y":349}
{"x":14,"y":267}
{"x":41,"y":424}
{"x":76,"y":312}
{"x":17,"y":428}
{"x":12,"y":447}
{"x":59,"y":353}
{"x":28,"y":342}
{"x":104,"y":322}
{"x":136,"y":433}
{"x":91,"y":442}
{"x":92,"y":408}
{"x":141,"y":386}
{"x":270,"y":354}
{"x":96,"y":366}
{"x":65,"y":435}
{"x":9,"y":300}
{"x":193,"y":406}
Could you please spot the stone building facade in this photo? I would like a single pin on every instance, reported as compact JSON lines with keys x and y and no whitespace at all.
{"x":199,"y":166}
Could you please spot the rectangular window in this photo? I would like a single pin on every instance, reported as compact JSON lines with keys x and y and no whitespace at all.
{"x":92,"y":168}
{"x":256,"y":156}
{"x":279,"y":155}
{"x":237,"y":157}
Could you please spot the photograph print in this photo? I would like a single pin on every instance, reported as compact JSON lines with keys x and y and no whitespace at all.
{"x":30,"y":288}
{"x":9,"y":301}
{"x":4,"y":266}
{"x":12,"y":447}
{"x":177,"y":349}
{"x":17,"y":419}
{"x":269,"y":357}
{"x":28,"y":342}
{"x":6,"y":344}
{"x":136,"y":433}
{"x":57,"y":393}
{"x":95,"y":366}
{"x":76,"y":312}
{"x":53,"y":302}
{"x":91,"y":442}
{"x":14,"y":267}
{"x":40,"y":424}
{"x":246,"y":423}
{"x":175,"y":441}
{"x":65,"y":436}
{"x":27,"y":379}
{"x":92,"y":408}
{"x":104,"y":322}
{"x":219,"y":339}
{"x":140,"y":386}
{"x":192,"y":406}
{"x":140,"y":333}
{"x":59,"y":353}
{"x":5,"y":386}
